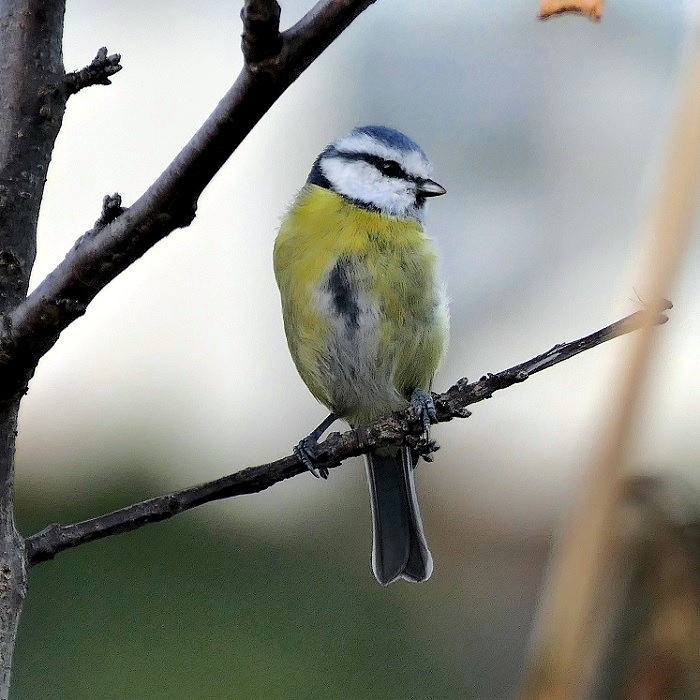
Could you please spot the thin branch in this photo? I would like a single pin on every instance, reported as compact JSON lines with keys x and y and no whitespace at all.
{"x":400,"y":428}
{"x":97,"y":73}
{"x":452,"y":403}
{"x":32,"y":328}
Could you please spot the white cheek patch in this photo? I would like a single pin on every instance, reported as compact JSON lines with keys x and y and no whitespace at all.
{"x":358,"y":180}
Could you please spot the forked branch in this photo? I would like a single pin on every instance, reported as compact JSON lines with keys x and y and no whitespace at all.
{"x":273,"y":62}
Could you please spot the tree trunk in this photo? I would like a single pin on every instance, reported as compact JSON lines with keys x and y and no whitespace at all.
{"x":32,"y":104}
{"x":13,"y":574}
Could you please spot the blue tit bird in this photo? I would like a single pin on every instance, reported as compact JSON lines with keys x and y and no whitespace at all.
{"x":365,"y":314}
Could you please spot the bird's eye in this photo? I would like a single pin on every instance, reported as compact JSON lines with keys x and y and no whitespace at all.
{"x":391,"y":168}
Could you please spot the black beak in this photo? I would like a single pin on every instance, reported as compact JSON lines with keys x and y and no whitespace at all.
{"x":429,"y":188}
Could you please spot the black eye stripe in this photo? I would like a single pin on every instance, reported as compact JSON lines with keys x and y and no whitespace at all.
{"x":388,"y":167}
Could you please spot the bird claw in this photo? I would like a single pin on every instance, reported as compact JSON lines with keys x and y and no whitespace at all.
{"x":305,"y":450}
{"x":424,"y":406}
{"x":304,"y":453}
{"x":425,"y":448}
{"x":422,"y":402}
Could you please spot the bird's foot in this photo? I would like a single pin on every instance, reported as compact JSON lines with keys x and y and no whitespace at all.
{"x":425,"y":448}
{"x":306,"y":449}
{"x":304,"y":452}
{"x":422,"y":402}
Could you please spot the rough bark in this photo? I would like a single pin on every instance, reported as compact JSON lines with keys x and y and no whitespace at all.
{"x":32,"y":104}
{"x":13,"y":570}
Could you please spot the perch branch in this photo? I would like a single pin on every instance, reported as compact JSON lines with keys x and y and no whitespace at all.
{"x":400,"y":428}
{"x":97,"y":73}
{"x":32,"y":328}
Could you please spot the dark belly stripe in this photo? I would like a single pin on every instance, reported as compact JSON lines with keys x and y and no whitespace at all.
{"x":344,"y":299}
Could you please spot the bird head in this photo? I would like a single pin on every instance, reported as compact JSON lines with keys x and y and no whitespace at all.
{"x":377,"y":168}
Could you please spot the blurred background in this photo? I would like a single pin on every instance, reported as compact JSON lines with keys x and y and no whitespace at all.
{"x":548,"y":138}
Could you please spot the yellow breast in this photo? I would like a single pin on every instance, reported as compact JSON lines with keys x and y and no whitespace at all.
{"x":362,"y":364}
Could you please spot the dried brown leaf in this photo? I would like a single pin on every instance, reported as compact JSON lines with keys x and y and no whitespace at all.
{"x":592,"y":8}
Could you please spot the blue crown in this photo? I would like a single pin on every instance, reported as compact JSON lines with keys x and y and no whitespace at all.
{"x":391,"y":137}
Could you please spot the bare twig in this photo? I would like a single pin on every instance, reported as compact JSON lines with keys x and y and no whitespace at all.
{"x":33,"y":327}
{"x":97,"y":73}
{"x":452,"y":402}
{"x":400,"y":428}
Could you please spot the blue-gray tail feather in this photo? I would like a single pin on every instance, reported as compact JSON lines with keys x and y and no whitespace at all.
{"x":400,"y":549}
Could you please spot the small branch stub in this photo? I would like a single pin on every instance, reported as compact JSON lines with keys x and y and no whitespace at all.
{"x":261,"y":38}
{"x":97,"y":73}
{"x":111,"y":209}
{"x":591,"y":8}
